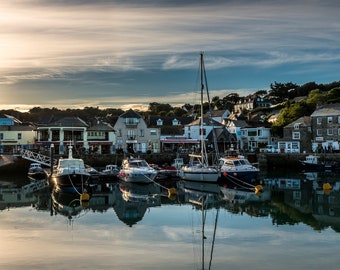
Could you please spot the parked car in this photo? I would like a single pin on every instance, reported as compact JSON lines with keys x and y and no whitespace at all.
{"x":270,"y":149}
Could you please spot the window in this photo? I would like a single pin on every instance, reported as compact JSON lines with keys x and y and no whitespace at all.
{"x":297,"y":126}
{"x":153,"y":132}
{"x":1,"y":136}
{"x":131,"y":134}
{"x":119,"y":133}
{"x":141,"y":133}
{"x":296,"y":136}
{"x":330,"y":131}
{"x":19,"y":136}
{"x":131,"y":121}
{"x":319,"y":132}
{"x":338,"y":131}
{"x":252,"y":133}
{"x":329,"y":119}
{"x":259,"y":132}
{"x":338,"y":119}
{"x":203,"y":131}
{"x":175,"y":122}
{"x":319,"y":120}
{"x":159,"y":122}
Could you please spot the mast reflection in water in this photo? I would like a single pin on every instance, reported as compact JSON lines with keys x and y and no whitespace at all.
{"x":133,"y":226}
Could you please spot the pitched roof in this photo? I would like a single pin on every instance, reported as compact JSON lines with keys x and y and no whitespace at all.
{"x":305,"y":121}
{"x":69,"y":122}
{"x":130,"y":114}
{"x":327,"y":110}
{"x":206,"y":122}
{"x":101,"y":127}
{"x":167,"y":120}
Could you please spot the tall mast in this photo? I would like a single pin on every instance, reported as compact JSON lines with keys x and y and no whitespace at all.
{"x":202,"y":124}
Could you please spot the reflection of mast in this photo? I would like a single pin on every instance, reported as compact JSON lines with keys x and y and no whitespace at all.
{"x":203,"y":232}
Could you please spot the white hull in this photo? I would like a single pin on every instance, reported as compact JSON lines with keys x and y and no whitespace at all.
{"x":137,"y":171}
{"x":137,"y":177}
{"x":199,"y":174}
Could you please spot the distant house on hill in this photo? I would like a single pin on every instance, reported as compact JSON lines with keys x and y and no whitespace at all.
{"x":249,"y":103}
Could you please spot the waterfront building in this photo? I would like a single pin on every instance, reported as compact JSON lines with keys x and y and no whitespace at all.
{"x":297,"y":136}
{"x":61,"y":133}
{"x":326,"y":128}
{"x":134,"y":136}
{"x":15,"y":135}
{"x":101,"y":138}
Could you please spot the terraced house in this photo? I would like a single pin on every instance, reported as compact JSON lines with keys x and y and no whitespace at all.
{"x":326,"y":128}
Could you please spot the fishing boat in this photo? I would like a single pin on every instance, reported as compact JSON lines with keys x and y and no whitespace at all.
{"x":36,"y":172}
{"x":136,"y":170}
{"x":237,"y":171}
{"x":198,"y":169}
{"x":70,"y":173}
{"x":313,"y":163}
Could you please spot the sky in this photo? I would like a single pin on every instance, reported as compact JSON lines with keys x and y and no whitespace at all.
{"x":127,"y":54}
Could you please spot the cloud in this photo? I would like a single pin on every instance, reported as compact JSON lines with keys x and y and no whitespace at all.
{"x":134,"y":47}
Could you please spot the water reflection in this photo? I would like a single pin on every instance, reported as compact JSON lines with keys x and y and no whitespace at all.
{"x":286,"y":200}
{"x":133,"y":200}
{"x":124,"y":220}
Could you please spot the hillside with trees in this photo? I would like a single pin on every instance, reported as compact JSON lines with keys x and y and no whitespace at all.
{"x":291,"y":99}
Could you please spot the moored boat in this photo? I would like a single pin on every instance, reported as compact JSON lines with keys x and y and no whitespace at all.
{"x":136,"y":170}
{"x":313,"y":163}
{"x":70,"y":173}
{"x":198,"y":168}
{"x":237,"y":171}
{"x":36,"y":172}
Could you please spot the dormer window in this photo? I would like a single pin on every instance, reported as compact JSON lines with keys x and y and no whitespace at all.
{"x":131,"y":121}
{"x":159,"y":122}
{"x":175,"y":122}
{"x":296,"y":126}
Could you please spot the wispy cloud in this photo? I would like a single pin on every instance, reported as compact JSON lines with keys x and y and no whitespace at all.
{"x":120,"y":43}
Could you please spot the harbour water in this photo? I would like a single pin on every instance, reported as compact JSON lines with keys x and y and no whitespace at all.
{"x":293,"y":224}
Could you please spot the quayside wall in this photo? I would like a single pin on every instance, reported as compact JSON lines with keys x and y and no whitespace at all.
{"x":270,"y":161}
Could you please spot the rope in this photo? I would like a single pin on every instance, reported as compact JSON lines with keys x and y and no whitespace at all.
{"x":251,"y":185}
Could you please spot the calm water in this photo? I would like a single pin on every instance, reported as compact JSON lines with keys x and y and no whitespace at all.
{"x":295,"y":226}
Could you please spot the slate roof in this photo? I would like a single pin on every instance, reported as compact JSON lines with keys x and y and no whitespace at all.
{"x":69,"y":122}
{"x":327,"y":110}
{"x":206,"y":122}
{"x":130,"y":114}
{"x":101,"y":127}
{"x":305,"y":121}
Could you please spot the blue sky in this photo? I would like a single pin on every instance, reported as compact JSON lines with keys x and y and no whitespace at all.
{"x":126,"y":54}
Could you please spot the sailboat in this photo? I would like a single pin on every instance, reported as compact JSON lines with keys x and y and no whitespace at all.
{"x":198,"y":168}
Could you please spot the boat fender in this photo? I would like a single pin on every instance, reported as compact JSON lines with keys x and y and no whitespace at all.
{"x":84,"y":197}
{"x":172,"y":194}
{"x":225,"y":174}
{"x":172,"y":191}
{"x":259,"y":189}
{"x":327,"y":186}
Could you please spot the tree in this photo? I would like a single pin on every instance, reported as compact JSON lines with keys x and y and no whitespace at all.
{"x":280,"y":91}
